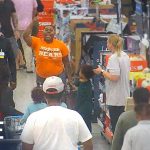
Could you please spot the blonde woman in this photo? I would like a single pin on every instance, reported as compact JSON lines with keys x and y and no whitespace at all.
{"x":117,"y":78}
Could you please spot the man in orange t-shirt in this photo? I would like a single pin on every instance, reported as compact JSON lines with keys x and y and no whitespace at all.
{"x":51,"y":54}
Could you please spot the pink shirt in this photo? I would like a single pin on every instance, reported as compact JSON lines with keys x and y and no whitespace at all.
{"x":24,"y":10}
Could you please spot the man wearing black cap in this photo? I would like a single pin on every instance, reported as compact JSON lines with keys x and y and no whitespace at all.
{"x":55,"y":127}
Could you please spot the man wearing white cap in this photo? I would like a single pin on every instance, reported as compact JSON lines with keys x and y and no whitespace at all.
{"x":55,"y":127}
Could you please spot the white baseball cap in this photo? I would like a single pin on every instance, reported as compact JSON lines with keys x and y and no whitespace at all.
{"x":53,"y":82}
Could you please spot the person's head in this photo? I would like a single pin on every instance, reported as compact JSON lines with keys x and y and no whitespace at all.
{"x":53,"y":88}
{"x":49,"y":33}
{"x":115,"y":44}
{"x":4,"y":74}
{"x":141,"y":95}
{"x":86,"y":72}
{"x":65,"y":13}
{"x":142,"y":111}
{"x":37,"y":95}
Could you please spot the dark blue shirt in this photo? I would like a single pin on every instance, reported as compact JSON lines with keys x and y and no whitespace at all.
{"x":84,"y":98}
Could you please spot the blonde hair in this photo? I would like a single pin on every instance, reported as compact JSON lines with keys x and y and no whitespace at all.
{"x":117,"y":43}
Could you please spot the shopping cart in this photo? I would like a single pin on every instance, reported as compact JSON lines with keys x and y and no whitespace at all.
{"x":12,"y":126}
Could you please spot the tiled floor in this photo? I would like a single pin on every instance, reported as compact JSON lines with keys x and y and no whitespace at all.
{"x":25,"y":82}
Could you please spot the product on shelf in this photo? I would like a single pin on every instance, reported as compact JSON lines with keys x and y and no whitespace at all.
{"x":137,"y":63}
{"x":141,"y":79}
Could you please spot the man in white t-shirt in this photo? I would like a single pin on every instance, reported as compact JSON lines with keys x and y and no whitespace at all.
{"x":55,"y":127}
{"x":137,"y":138}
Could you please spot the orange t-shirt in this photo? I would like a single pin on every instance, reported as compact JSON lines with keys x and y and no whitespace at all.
{"x":49,"y":56}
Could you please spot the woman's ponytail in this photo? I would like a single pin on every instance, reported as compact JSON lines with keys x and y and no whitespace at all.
{"x":117,"y":43}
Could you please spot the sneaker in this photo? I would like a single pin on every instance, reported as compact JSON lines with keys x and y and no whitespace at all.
{"x":29,"y":71}
{"x":23,"y":66}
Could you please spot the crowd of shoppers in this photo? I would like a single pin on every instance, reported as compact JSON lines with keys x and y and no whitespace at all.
{"x":128,"y":119}
{"x":60,"y":128}
{"x":137,"y":137}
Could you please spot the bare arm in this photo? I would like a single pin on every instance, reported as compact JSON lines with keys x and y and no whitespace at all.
{"x":15,"y":24}
{"x":67,"y":68}
{"x":27,"y":34}
{"x":88,"y":145}
{"x":26,"y":146}
{"x":15,"y":21}
{"x":106,"y":74}
{"x":110,"y":76}
{"x":34,"y":12}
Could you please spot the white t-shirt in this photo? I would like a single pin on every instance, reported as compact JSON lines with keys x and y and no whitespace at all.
{"x":118,"y":91}
{"x":55,"y":128}
{"x":138,"y":137}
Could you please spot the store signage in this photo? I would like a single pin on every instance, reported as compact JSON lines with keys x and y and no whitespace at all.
{"x":46,"y":17}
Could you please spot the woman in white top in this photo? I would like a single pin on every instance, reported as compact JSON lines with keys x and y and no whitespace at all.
{"x":117,"y":78}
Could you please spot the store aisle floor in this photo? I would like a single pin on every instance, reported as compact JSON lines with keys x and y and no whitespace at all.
{"x":25,"y":82}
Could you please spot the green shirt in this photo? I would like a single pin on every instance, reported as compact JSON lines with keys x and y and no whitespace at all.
{"x":84,"y":98}
{"x":125,"y":122}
